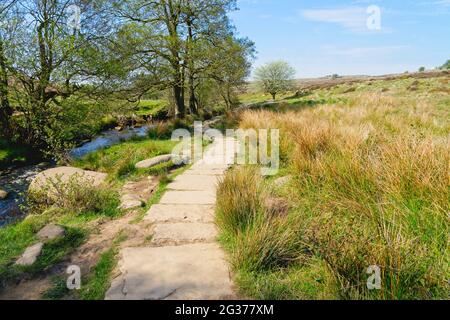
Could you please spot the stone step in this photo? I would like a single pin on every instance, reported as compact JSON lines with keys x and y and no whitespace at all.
{"x":189,"y":272}
{"x":163,"y":213}
{"x":206,"y":172}
{"x":189,"y":197}
{"x":192,"y":182}
{"x":182,"y":233}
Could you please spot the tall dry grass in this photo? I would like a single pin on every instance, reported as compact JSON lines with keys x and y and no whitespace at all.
{"x":371,"y":187}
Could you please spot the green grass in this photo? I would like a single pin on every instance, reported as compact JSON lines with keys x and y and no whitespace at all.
{"x":369,"y":187}
{"x":73,"y":210}
{"x":119,"y":160}
{"x":154,"y":108}
{"x":99,"y":281}
{"x":15,"y":154}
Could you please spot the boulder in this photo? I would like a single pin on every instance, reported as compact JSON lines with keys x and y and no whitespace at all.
{"x":3,"y":194}
{"x":45,"y":179}
{"x":145,"y":164}
{"x":30,"y":255}
{"x":51,"y":232}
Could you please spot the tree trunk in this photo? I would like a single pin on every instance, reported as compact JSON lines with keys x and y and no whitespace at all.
{"x":190,"y":63}
{"x":178,"y":92}
{"x":273,"y":96}
{"x":5,"y":108}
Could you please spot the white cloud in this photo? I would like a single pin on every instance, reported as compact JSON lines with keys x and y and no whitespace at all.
{"x":353,"y":18}
{"x":445,"y":3}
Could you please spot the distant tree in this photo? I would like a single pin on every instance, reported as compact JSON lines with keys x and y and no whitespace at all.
{"x":446,"y":66}
{"x":421,"y":69}
{"x":275,"y":77}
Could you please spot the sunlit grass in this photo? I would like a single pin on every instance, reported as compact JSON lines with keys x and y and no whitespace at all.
{"x":369,"y":187}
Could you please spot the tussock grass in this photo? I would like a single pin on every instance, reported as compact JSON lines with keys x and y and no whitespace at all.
{"x":370,"y":187}
{"x":239,"y":200}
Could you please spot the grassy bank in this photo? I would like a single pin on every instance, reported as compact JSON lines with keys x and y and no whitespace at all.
{"x":76,"y":207}
{"x":369,"y":186}
{"x":119,"y":160}
{"x":79,"y":208}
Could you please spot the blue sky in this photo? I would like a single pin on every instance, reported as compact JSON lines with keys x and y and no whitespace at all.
{"x":324,"y":37}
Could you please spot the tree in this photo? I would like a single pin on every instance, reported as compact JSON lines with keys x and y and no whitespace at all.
{"x":230,"y":66}
{"x":446,"y":66}
{"x":6,"y":32}
{"x":275,"y":77}
{"x":421,"y":69}
{"x":174,"y":44}
{"x":49,"y":62}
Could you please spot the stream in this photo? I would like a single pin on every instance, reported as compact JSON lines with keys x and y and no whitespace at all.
{"x":17,"y":181}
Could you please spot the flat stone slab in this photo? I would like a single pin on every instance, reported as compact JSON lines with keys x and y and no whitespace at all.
{"x":189,"y":197}
{"x":192,"y":182}
{"x":188,"y":272}
{"x":50,"y":232}
{"x":161,"y":213}
{"x":145,"y":164}
{"x":30,"y":255}
{"x":206,"y":172}
{"x":182,"y":233}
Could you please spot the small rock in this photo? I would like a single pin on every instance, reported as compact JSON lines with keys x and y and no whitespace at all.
{"x":50,"y":232}
{"x":30,"y":255}
{"x":3,"y":194}
{"x":135,"y":194}
{"x":131,"y":204}
{"x":145,"y":164}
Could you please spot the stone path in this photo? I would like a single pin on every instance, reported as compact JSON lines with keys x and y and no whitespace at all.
{"x":184,"y":260}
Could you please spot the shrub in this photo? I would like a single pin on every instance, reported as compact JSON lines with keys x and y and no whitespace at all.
{"x":76,"y":196}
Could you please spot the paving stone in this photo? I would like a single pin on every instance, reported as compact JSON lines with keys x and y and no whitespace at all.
{"x":207,"y":172}
{"x":50,"y":232}
{"x":153,"y":161}
{"x":190,"y":182}
{"x":188,"y":197}
{"x":188,"y":272}
{"x":169,"y":268}
{"x":180,"y":213}
{"x":30,"y":255}
{"x":181,"y":233}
